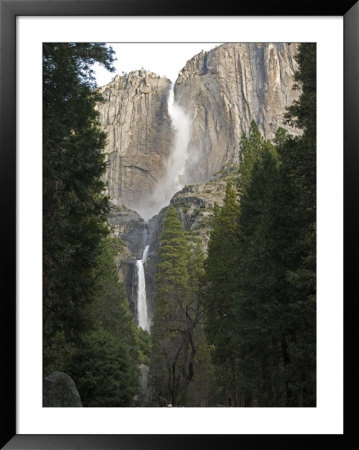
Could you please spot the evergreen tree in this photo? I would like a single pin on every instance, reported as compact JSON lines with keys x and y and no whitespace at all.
{"x":174,"y":316}
{"x":110,"y":308}
{"x":275,"y":299}
{"x":251,"y":148}
{"x":298,"y":176}
{"x":108,"y":323}
{"x":200,"y":389}
{"x":259,"y":289}
{"x":103,"y":371}
{"x":219,"y":289}
{"x":74,"y":207}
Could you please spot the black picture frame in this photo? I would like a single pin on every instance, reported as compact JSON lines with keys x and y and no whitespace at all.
{"x":9,"y":10}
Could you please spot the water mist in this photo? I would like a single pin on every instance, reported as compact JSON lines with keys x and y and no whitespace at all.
{"x":175,"y":166}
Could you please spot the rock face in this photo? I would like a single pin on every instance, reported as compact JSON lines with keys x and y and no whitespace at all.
{"x":60,"y":390}
{"x":221,"y":91}
{"x":132,"y":231}
{"x":224,"y":89}
{"x":195,"y":206}
{"x":130,"y":227}
{"x":134,"y":115}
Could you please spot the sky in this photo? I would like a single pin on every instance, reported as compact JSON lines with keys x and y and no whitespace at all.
{"x":164,"y":59}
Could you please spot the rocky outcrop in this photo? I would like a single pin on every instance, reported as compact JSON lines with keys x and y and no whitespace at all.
{"x":224,"y":89}
{"x":135,"y":118}
{"x":131,"y":230}
{"x":59,"y":390}
{"x":129,"y":226}
{"x":195,"y":206}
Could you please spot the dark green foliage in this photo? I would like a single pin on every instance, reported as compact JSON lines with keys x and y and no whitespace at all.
{"x":261,"y":269}
{"x":109,"y":323}
{"x":74,"y":207}
{"x":259,"y":297}
{"x":302,"y":113}
{"x":168,"y":360}
{"x":219,"y":286}
{"x":110,"y":308}
{"x":101,"y":371}
{"x":88,"y":329}
{"x":298,"y":176}
{"x":200,"y":389}
{"x":144,"y":345}
{"x":58,"y":353}
{"x":179,"y":359}
{"x":110,"y":317}
{"x":276,"y":286}
{"x":276,"y":261}
{"x":251,"y":148}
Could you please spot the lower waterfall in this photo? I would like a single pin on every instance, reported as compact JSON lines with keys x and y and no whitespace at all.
{"x":142,"y":311}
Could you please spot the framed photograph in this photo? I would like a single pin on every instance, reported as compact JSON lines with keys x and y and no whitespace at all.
{"x":174,"y":223}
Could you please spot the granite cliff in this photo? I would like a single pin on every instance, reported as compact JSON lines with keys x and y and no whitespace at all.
{"x":221,"y":91}
{"x":224,"y":89}
{"x":135,"y":118}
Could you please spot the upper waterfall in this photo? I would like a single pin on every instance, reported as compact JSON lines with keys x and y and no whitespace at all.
{"x":174,"y":177}
{"x":176,"y":164}
{"x":157,"y":141}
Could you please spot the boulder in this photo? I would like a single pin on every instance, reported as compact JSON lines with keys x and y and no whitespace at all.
{"x":59,"y":390}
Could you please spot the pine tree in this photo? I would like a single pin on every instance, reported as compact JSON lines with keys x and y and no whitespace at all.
{"x":259,"y":292}
{"x":218,"y":296}
{"x":251,"y":147}
{"x":74,"y":207}
{"x":298,"y":175}
{"x":110,"y":308}
{"x":275,"y":300}
{"x":172,"y":330}
{"x":103,"y":371}
{"x":110,"y":324}
{"x":200,"y":388}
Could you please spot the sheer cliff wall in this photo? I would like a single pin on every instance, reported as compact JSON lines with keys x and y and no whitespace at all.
{"x":134,"y":115}
{"x":224,"y":89}
{"x":221,"y":90}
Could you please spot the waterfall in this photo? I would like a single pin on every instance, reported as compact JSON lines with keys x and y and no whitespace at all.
{"x":176,"y":163}
{"x":142,"y":314}
{"x":175,"y":175}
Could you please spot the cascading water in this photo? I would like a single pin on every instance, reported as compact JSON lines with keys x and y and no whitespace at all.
{"x":176,"y":163}
{"x":174,"y":178}
{"x":142,"y":311}
{"x":172,"y":182}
